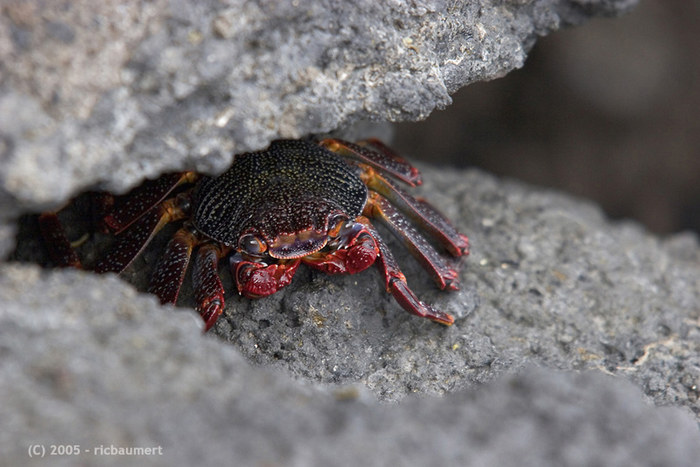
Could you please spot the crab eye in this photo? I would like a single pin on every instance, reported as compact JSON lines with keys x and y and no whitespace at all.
{"x":251,"y":244}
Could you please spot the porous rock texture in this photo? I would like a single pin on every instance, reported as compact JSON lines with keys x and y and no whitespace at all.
{"x":329,"y":371}
{"x":107,"y":93}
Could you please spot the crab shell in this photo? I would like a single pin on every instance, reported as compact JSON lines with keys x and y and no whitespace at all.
{"x":288,"y":196}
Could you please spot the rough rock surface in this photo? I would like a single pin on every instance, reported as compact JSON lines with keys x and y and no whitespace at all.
{"x":328,"y":370}
{"x":336,"y":364}
{"x":111,"y":92}
{"x":548,"y":281}
{"x":128,"y":373}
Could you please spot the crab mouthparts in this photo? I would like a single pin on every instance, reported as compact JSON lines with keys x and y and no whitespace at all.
{"x":297,"y":245}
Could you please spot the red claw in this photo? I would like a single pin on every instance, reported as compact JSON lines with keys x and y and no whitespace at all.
{"x":256,"y":280}
{"x":359,"y":253}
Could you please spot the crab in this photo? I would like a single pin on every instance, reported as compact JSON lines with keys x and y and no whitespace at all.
{"x":298,"y":201}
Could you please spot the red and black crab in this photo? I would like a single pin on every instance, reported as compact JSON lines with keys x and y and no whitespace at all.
{"x":298,"y":201}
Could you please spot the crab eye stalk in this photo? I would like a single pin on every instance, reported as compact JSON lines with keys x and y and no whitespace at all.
{"x":252,"y":245}
{"x":336,"y":223}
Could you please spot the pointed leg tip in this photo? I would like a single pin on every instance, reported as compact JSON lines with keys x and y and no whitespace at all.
{"x":210,"y":313}
{"x":447,"y":320}
{"x":438,"y":316}
{"x":208,"y":325}
{"x":408,"y":300}
{"x":464,"y":247}
{"x":449,"y":280}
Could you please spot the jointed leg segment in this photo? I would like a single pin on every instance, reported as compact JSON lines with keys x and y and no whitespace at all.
{"x":208,"y":289}
{"x":375,"y":154}
{"x":132,"y":241}
{"x":170,"y":271}
{"x":444,"y":275}
{"x":142,"y":199}
{"x":396,"y":284}
{"x":419,"y":212}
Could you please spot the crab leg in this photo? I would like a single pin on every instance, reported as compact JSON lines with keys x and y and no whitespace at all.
{"x":208,"y":289}
{"x":60,"y":249}
{"x":167,"y":278}
{"x":420,"y":212}
{"x":142,"y":199}
{"x":398,"y":287}
{"x":132,"y":241}
{"x":444,"y":275}
{"x":377,"y":155}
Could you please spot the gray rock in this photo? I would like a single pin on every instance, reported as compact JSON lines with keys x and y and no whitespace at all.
{"x":337,"y":365}
{"x":327,"y":371}
{"x":88,"y":362}
{"x":548,"y":281}
{"x":100,"y":93}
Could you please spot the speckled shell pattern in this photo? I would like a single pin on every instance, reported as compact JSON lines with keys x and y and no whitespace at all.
{"x":292,"y":186}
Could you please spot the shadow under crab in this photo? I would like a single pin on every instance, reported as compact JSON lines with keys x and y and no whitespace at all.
{"x":298,"y":201}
